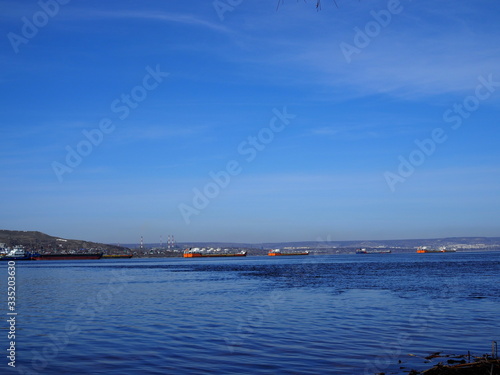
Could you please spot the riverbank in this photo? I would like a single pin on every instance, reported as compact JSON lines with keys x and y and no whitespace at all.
{"x":463,"y":364}
{"x":480,"y":367}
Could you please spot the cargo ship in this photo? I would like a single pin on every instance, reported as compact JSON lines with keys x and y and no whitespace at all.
{"x":66,"y":256}
{"x":424,"y":249}
{"x":117,"y":256}
{"x":364,"y":251}
{"x":208,"y":253}
{"x":277,"y":252}
{"x":17,"y":253}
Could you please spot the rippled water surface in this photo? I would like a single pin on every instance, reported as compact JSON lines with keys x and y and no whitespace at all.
{"x":338,"y":314}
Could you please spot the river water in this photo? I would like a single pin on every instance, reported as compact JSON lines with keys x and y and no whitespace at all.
{"x":328,"y":314}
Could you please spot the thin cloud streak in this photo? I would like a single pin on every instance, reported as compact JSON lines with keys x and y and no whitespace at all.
{"x":397,"y":62}
{"x":395,"y":68}
{"x":186,"y":19}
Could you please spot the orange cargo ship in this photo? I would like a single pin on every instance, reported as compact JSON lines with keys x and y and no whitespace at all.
{"x":277,"y":252}
{"x":203,"y":253}
{"x":422,"y":250}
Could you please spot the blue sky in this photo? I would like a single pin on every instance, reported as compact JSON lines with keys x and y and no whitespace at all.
{"x":173,"y":93}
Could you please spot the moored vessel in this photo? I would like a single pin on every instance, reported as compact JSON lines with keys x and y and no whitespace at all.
{"x":117,"y":256}
{"x":424,"y":249}
{"x":207,"y":253}
{"x":364,"y":251}
{"x":17,"y":253}
{"x":443,"y":249}
{"x":277,"y":252}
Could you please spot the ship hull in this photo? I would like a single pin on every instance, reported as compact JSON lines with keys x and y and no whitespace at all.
{"x":200,"y":255}
{"x":7,"y":258}
{"x":286,"y":254}
{"x":435,"y":251}
{"x":374,"y":252}
{"x":117,"y":256}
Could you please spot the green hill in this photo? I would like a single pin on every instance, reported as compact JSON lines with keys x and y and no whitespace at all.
{"x":41,"y":241}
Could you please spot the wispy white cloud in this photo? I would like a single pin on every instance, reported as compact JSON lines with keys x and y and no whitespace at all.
{"x":170,"y":17}
{"x":421,"y":52}
{"x":366,"y":128}
{"x":404,"y":65}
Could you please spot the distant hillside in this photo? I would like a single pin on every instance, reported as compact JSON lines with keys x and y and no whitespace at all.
{"x":41,"y":241}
